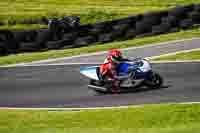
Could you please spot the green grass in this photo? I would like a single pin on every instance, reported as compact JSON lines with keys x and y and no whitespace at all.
{"x":29,"y":57}
{"x":90,"y":11}
{"x":168,"y":118}
{"x":22,"y":26}
{"x":193,"y":55}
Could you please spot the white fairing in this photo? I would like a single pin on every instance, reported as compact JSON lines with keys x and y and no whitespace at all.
{"x":90,"y":72}
{"x":145,"y":67}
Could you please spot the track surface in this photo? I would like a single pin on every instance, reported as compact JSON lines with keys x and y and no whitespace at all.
{"x":62,"y":86}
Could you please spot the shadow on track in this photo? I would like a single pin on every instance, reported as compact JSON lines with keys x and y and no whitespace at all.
{"x":135,"y":90}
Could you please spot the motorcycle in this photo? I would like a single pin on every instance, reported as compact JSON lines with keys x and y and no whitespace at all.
{"x":139,"y":73}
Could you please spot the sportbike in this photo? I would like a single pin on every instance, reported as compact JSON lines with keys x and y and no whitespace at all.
{"x":139,"y":73}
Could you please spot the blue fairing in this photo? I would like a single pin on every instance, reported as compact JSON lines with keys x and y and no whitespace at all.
{"x":122,"y":69}
{"x":125,"y":68}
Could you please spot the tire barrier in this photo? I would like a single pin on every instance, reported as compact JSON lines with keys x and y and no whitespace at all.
{"x":181,"y":12}
{"x":160,"y":29}
{"x":142,"y":27}
{"x":154,"y":18}
{"x":105,"y":38}
{"x":82,"y":31}
{"x":101,"y":28}
{"x":25,"y":36}
{"x":197,"y":7}
{"x":58,"y":27}
{"x":130,"y":33}
{"x":84,"y":41}
{"x":195,"y":16}
{"x":67,"y":32}
{"x":172,"y":21}
{"x":43,"y":36}
{"x":8,"y":43}
{"x":186,"y":24}
{"x":29,"y":47}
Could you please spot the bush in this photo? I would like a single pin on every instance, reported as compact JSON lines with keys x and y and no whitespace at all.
{"x":93,"y":15}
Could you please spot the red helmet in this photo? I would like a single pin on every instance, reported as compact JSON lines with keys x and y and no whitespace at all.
{"x":115,"y":55}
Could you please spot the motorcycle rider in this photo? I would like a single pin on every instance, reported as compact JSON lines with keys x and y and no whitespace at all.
{"x":108,"y":69}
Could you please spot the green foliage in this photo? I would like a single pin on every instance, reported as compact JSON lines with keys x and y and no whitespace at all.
{"x":91,"y":15}
{"x":22,"y":26}
{"x":33,"y":11}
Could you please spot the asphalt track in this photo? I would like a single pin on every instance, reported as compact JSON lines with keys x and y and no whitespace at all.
{"x":63,"y":86}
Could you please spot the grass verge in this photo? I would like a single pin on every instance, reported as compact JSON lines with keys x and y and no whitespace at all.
{"x":29,"y":57}
{"x":22,"y":27}
{"x":192,"y":55}
{"x":26,"y":11}
{"x":169,"y":118}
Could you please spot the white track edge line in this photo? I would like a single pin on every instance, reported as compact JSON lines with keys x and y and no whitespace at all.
{"x":98,"y":63}
{"x":93,"y":108}
{"x":174,"y":53}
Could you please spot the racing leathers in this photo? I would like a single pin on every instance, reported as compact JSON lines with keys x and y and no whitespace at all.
{"x":108,"y":71}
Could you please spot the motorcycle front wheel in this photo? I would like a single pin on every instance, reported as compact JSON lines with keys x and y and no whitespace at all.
{"x":155,"y":81}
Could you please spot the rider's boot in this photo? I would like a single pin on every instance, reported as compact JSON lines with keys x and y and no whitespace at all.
{"x":115,"y":87}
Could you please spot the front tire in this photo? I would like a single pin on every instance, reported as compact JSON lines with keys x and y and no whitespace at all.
{"x":155,"y":81}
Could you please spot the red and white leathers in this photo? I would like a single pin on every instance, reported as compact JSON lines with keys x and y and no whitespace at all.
{"x":108,"y":69}
{"x":108,"y":72}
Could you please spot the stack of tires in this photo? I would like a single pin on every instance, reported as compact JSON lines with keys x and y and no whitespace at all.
{"x":195,"y":14}
{"x":62,"y":32}
{"x":8,"y":44}
{"x":30,"y":41}
{"x":177,"y":18}
{"x":147,"y":21}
